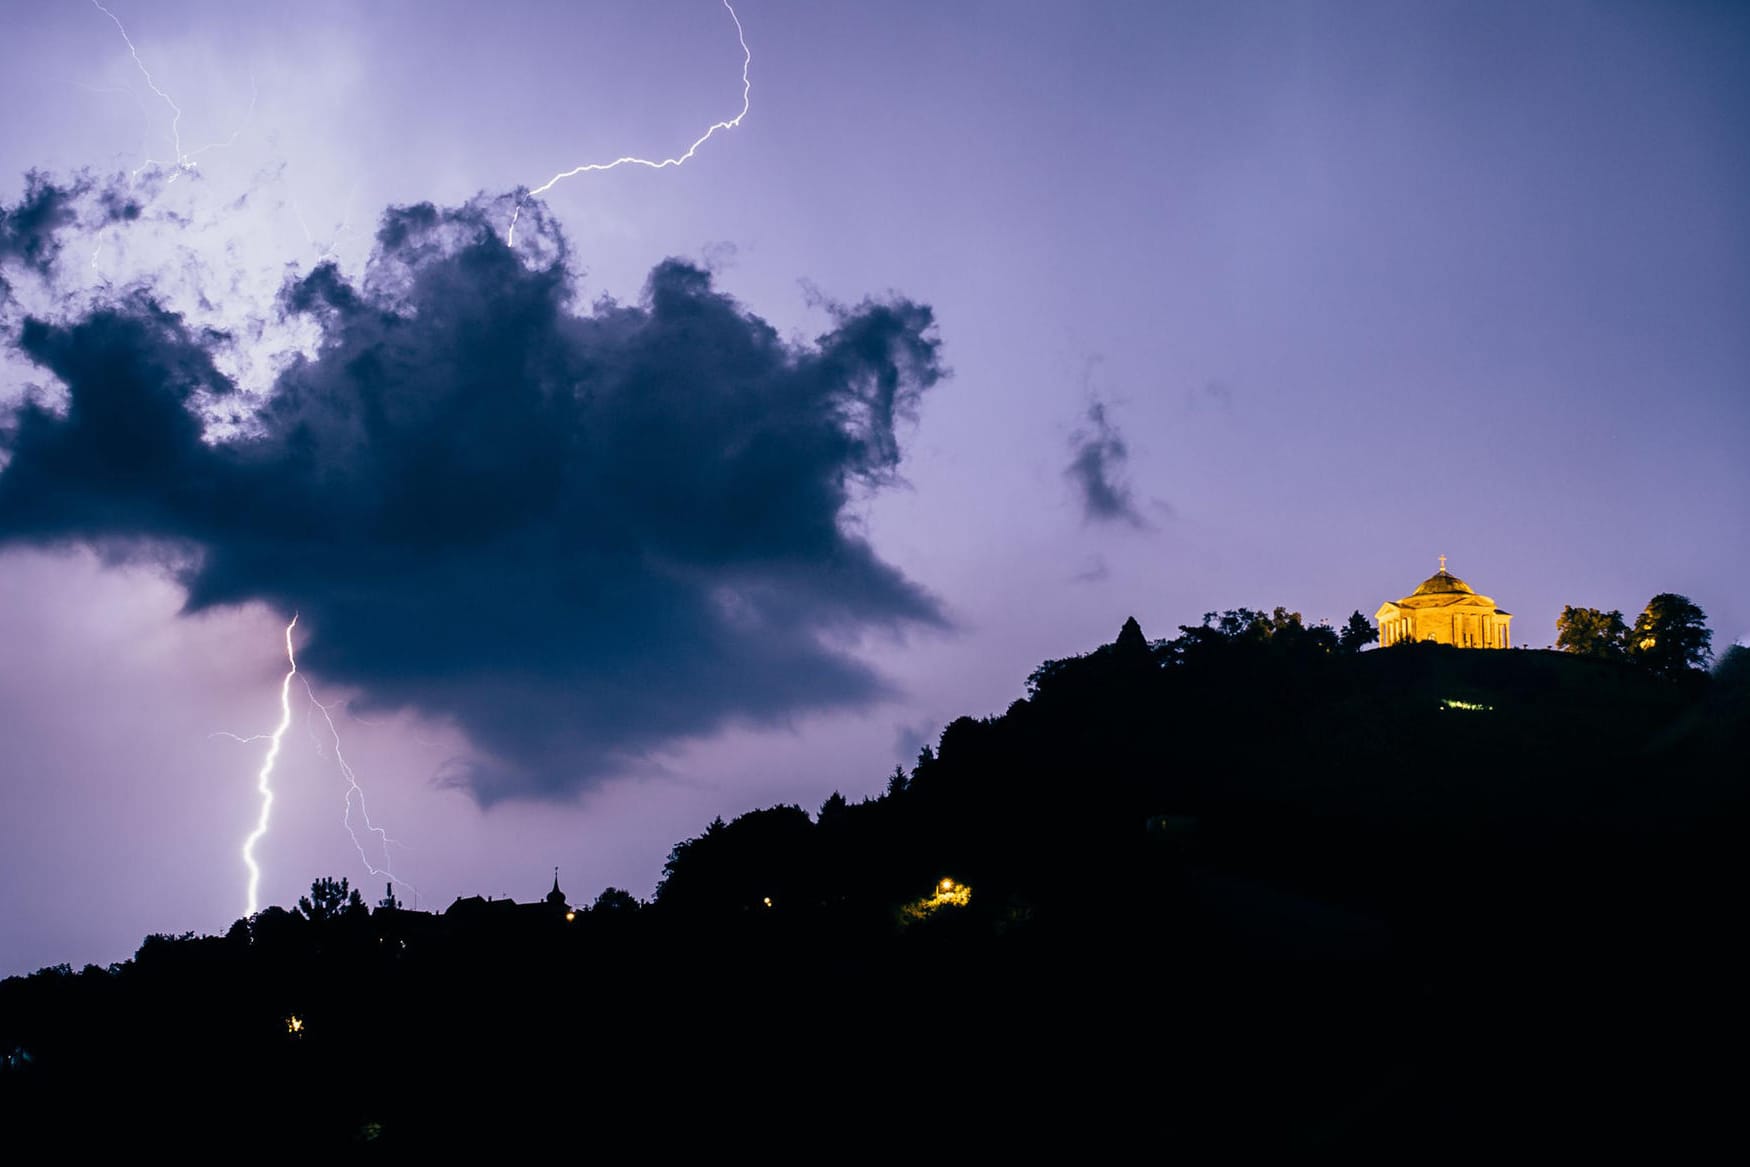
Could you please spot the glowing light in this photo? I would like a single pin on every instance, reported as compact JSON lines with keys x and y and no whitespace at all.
{"x":946,"y":894}
{"x":768,"y":901}
{"x":630,"y":160}
{"x":264,"y":779}
{"x":295,"y":1025}
{"x":1467,"y":706}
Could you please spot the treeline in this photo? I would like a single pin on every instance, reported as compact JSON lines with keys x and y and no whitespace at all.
{"x":1314,"y":896}
{"x":1670,"y":637}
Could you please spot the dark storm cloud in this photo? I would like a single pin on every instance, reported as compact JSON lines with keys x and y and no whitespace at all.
{"x":1097,"y":458}
{"x":582,"y":536}
{"x":30,"y":231}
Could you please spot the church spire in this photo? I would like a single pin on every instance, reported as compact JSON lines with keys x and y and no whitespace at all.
{"x":1442,"y":572}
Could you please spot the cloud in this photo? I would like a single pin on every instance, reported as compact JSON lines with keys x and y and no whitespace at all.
{"x":909,"y":740}
{"x":580,"y":535}
{"x":1097,"y":571}
{"x":30,"y":231}
{"x":1098,"y":455}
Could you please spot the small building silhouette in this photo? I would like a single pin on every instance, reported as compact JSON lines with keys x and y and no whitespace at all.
{"x":484,"y":911}
{"x":1445,"y":610}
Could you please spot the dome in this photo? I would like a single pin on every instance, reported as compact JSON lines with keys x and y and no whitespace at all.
{"x":1444,"y":610}
{"x":1443,"y":582}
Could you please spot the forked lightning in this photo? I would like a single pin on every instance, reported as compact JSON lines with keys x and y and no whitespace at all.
{"x":629,"y":160}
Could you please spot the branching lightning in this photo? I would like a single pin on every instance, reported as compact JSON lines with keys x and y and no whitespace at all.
{"x":175,"y":110}
{"x":355,"y":791}
{"x":264,"y":778}
{"x":629,"y":160}
{"x":342,"y":229}
{"x":264,"y":783}
{"x":184,"y":161}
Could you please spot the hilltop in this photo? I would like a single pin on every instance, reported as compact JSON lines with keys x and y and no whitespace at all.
{"x":1239,"y":885}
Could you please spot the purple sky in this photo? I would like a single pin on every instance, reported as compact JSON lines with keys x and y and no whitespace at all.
{"x":1353,"y":285}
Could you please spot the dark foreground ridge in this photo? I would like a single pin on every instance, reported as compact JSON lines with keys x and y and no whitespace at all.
{"x":1240,"y":891}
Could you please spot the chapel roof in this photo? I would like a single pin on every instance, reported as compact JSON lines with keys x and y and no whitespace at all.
{"x":1442,"y":583}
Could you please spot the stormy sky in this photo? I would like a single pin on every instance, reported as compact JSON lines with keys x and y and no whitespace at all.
{"x":727,"y":484}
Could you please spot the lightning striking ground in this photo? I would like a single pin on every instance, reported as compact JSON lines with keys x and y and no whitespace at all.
{"x":355,"y":791}
{"x":629,"y":160}
{"x":184,"y":162}
{"x":264,"y":778}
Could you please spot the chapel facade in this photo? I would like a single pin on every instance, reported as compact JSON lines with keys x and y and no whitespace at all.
{"x":1444,"y":610}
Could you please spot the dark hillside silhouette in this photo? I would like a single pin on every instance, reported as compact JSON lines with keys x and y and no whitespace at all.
{"x":1248,"y":885}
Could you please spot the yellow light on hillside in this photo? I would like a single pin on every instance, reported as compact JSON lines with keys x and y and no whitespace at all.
{"x":945,"y":894}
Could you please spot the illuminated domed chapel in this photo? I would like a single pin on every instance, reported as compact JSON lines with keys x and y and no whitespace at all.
{"x":1444,"y":610}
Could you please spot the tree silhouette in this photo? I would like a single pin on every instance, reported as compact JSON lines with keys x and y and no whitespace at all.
{"x":1248,"y":633}
{"x":328,"y":899}
{"x":1130,"y":639}
{"x":833,"y":809}
{"x":1590,"y":632}
{"x":1357,"y":633}
{"x":1671,"y":636}
{"x":1733,"y":669}
{"x":616,"y":899}
{"x":763,"y":855}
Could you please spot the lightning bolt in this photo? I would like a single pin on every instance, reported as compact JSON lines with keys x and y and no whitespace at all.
{"x":175,"y":110}
{"x":185,"y":159}
{"x":355,"y":791}
{"x":264,"y":778}
{"x":184,"y":162}
{"x":629,"y":160}
{"x":331,"y":249}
